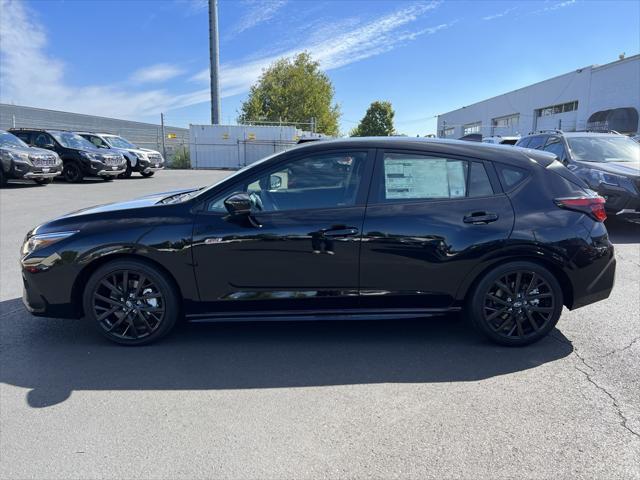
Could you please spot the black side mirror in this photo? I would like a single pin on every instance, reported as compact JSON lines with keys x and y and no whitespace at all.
{"x":238,"y":204}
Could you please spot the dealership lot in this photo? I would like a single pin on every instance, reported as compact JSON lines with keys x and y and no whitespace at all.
{"x":421,"y":399}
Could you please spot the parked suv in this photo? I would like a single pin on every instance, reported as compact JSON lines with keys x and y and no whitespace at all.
{"x":608,"y":162}
{"x":498,"y":139}
{"x":19,"y":160}
{"x":79,"y":156}
{"x":142,"y":160}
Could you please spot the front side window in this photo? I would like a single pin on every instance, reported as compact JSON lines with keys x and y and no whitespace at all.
{"x":329,"y":180}
{"x":555,"y":146}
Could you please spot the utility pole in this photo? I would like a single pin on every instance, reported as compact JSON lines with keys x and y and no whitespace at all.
{"x":214,"y":61}
{"x":164,"y":149}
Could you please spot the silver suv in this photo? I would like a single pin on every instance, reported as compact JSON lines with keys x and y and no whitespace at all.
{"x":142,"y":160}
{"x":18,"y":160}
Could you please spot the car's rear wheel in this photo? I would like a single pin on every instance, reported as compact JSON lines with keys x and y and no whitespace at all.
{"x":516,"y":303}
{"x":131,"y":302}
{"x":71,"y":172}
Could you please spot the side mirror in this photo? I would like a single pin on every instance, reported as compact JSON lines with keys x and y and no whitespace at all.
{"x":238,"y":204}
{"x":275,"y":182}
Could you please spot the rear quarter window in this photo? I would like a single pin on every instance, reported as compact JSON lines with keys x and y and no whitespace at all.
{"x":510,"y":176}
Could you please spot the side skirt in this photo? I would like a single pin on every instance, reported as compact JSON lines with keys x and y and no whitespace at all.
{"x":321,"y":315}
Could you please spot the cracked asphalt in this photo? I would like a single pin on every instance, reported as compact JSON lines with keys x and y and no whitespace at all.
{"x":410,"y":399}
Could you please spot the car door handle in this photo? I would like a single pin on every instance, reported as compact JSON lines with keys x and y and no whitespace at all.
{"x":341,"y":232}
{"x":480,"y":218}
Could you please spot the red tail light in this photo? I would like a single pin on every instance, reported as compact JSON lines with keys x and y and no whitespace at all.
{"x":593,"y":206}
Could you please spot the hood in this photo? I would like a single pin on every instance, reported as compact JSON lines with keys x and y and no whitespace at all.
{"x":148,"y":150}
{"x":627,"y":169}
{"x":146,"y":201}
{"x":17,"y":148}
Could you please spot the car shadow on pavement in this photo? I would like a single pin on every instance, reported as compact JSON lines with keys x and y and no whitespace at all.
{"x":622,"y":232}
{"x":54,"y":357}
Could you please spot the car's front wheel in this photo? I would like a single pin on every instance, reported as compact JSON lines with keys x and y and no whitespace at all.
{"x":127,"y":171}
{"x":516,"y":304}
{"x":131,"y":302}
{"x":72,"y":172}
{"x":147,"y":174}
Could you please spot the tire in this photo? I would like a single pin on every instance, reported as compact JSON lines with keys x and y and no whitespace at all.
{"x":107,"y":178}
{"x":516,"y":304}
{"x":147,"y":174}
{"x":72,"y":172}
{"x":127,"y":171}
{"x":43,"y":181}
{"x":146,"y":311}
{"x":3,"y":178}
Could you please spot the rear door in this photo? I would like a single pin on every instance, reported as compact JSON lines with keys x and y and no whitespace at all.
{"x":429,"y":220}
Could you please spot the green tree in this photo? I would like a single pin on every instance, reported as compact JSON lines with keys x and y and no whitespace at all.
{"x":293,"y":90}
{"x":377,"y":122}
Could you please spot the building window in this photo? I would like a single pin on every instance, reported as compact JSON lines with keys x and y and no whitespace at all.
{"x":507,"y":124}
{"x":448,"y":132}
{"x":556,"y":109}
{"x":472,"y":128}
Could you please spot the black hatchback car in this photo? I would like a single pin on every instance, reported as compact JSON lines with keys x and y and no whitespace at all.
{"x":345,"y":229}
{"x":79,"y":156}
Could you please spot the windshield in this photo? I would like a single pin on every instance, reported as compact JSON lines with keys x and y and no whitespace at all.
{"x":72,"y":140}
{"x":604,"y":149}
{"x":119,"y":142}
{"x":8,"y":140}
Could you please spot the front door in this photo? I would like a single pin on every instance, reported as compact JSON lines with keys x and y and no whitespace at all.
{"x":428,"y":222}
{"x":299,"y":248}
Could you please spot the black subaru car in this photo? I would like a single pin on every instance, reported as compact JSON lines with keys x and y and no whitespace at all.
{"x":384,"y":228}
{"x":80,"y":157}
{"x":608,"y":162}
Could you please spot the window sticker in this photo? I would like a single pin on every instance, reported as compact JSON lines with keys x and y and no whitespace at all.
{"x":423,"y":178}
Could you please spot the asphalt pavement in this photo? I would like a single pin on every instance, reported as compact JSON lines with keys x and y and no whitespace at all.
{"x":410,"y":399}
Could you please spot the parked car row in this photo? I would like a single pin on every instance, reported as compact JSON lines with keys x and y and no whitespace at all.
{"x":43,"y":154}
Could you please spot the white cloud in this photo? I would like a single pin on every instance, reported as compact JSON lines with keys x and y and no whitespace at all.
{"x":556,"y":6}
{"x":160,"y":72}
{"x":498,"y":15}
{"x":29,"y":76}
{"x":259,"y":11}
{"x":333,"y":47}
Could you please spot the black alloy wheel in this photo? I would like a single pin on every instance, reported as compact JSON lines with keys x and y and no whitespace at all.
{"x":72,"y":172}
{"x":517,"y":303}
{"x":131,"y":302}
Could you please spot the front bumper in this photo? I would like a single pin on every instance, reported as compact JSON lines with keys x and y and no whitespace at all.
{"x":110,"y":172}
{"x":620,"y":201}
{"x":33,"y":172}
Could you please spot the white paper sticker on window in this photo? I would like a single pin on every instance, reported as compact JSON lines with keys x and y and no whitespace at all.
{"x":423,"y":178}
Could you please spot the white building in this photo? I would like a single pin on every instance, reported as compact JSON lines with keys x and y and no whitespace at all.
{"x":604,"y":97}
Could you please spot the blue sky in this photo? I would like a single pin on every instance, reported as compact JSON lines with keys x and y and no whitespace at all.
{"x":133,"y":59}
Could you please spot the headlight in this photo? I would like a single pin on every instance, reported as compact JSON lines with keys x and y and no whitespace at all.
{"x":596,"y":177}
{"x":39,"y":241}
{"x":139,"y":155}
{"x":91,"y":156}
{"x":19,"y":157}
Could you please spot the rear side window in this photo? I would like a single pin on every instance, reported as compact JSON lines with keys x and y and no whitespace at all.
{"x":479,"y":184}
{"x":511,"y":176}
{"x":407,"y":176}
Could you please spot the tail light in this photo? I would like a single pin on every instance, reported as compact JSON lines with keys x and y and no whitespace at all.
{"x":593,"y":206}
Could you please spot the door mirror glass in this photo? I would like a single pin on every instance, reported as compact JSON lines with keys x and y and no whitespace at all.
{"x":275,"y":182}
{"x":238,"y":204}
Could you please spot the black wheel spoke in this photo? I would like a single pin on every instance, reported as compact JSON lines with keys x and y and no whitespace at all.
{"x":108,"y":300}
{"x":504,"y":288}
{"x":532,"y":321}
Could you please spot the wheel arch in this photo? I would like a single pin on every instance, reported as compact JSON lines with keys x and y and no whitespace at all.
{"x":88,"y":270}
{"x":563,"y":279}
